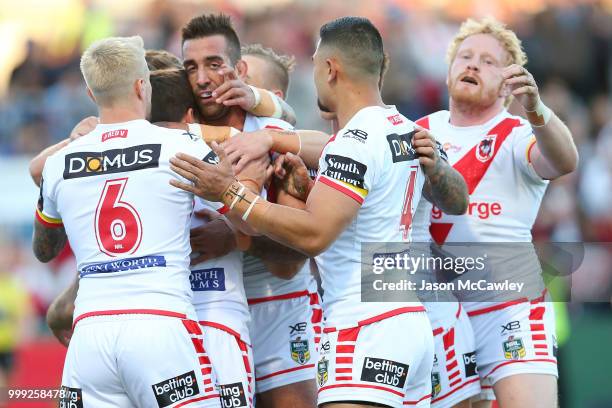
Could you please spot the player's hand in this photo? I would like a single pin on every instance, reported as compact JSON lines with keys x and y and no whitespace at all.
{"x":424,"y":144}
{"x":522,"y":85}
{"x":257,"y":171}
{"x":209,"y":181}
{"x":245,"y":147}
{"x":234,"y":91}
{"x":211,"y":240}
{"x":63,"y":335}
{"x":292,"y":176}
{"x":84,"y":127}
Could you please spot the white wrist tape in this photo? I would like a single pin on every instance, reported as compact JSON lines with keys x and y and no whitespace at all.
{"x":195,"y":129}
{"x":300,"y":140}
{"x":238,"y":196}
{"x":233,"y":131}
{"x":278,"y":110}
{"x":543,"y":111}
{"x":248,"y":211}
{"x":257,"y":96}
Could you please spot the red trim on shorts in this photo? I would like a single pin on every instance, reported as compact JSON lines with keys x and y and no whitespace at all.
{"x":198,"y":344}
{"x":344,"y":190}
{"x":344,"y":360}
{"x":348,"y":334}
{"x":416,"y":402}
{"x":496,"y":307}
{"x":457,"y":381}
{"x":265,"y":377}
{"x":220,"y":326}
{"x":290,"y":295}
{"x":128,"y":311}
{"x":376,"y":387}
{"x":537,"y":327}
{"x":538,"y":337}
{"x":473,"y":380}
{"x":452,"y":365}
{"x":450,"y":354}
{"x":535,"y":360}
{"x":544,"y":346}
{"x":204,"y":360}
{"x":453,"y":375}
{"x":458,"y":312}
{"x":380,"y":317}
{"x":345,"y":348}
{"x":192,"y":327}
{"x":182,"y":404}
{"x":348,"y":378}
{"x":343,"y":370}
{"x":537,"y":313}
{"x":438,"y":331}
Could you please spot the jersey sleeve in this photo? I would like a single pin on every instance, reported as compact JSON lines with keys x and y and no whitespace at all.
{"x":523,"y":145}
{"x":349,"y":163}
{"x":46,"y":209}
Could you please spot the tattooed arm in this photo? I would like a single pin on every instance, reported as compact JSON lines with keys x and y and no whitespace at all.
{"x":444,"y":186}
{"x":48,"y":242}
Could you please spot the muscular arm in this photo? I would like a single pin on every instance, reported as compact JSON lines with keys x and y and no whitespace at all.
{"x":554,"y":153}
{"x":446,"y":189}
{"x":59,"y":315}
{"x":47,"y":242}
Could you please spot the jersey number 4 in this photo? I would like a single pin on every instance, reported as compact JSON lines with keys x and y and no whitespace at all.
{"x":118,"y":226}
{"x":406,"y":220}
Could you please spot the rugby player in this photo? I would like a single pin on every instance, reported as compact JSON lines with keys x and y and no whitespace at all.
{"x":507,"y":162}
{"x":135,"y":342}
{"x":365,"y":191}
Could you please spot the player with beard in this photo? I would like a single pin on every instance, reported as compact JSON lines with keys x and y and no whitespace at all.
{"x":355,"y":199}
{"x":507,"y":162}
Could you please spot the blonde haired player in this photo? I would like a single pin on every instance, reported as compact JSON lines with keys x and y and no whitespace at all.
{"x":507,"y":162}
{"x":135,"y":342}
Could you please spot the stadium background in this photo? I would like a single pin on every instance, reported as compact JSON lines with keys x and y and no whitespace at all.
{"x":42,"y":96}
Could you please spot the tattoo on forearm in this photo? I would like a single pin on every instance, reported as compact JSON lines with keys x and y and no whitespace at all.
{"x":446,"y":189}
{"x":233,"y":192}
{"x":48,"y":242}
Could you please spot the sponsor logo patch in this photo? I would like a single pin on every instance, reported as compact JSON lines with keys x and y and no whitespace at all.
{"x":298,"y":328}
{"x":176,"y":389}
{"x":123,"y":265}
{"x":513,"y":348}
{"x":345,"y":169}
{"x":395,"y":119}
{"x":232,"y":395}
{"x":511,"y":327}
{"x":300,"y":352}
{"x":386,"y":372}
{"x":325,"y":347}
{"x":322,"y":371}
{"x":357,"y":134}
{"x":469,"y":362}
{"x":113,"y":134}
{"x":207,"y":279}
{"x":87,"y":164}
{"x":211,"y":158}
{"x":70,"y":397}
{"x":485,"y":148}
{"x":436,"y":387}
{"x":401,"y":147}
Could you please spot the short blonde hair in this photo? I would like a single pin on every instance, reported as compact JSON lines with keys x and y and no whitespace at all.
{"x":283,"y":64}
{"x":488,"y":25}
{"x":111,"y":65}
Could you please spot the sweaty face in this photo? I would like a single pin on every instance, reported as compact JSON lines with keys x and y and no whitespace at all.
{"x":321,"y":71}
{"x":202,"y":59}
{"x":475,"y":75}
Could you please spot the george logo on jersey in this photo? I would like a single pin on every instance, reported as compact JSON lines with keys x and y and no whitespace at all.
{"x":211,"y":158}
{"x":322,"y":371}
{"x":122,"y":133}
{"x":299,"y":350}
{"x":436,"y":387}
{"x":176,"y":389}
{"x":469,"y":363}
{"x":484,"y":151}
{"x":401,"y":147}
{"x":395,"y":119}
{"x":70,"y":397}
{"x":345,"y":169}
{"x":86,"y":164}
{"x":510,"y":327}
{"x":357,"y":134}
{"x":232,"y":395}
{"x":207,"y":279}
{"x":514,"y":348}
{"x":386,"y":372}
{"x":123,"y":265}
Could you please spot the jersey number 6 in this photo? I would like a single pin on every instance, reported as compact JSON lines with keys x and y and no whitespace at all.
{"x":118,"y":226}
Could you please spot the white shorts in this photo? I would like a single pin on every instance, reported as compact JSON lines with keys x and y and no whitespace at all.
{"x":386,"y":362}
{"x":454,"y":377}
{"x":231,"y":361}
{"x":285,"y":333}
{"x":517,"y":339}
{"x":137,"y":360}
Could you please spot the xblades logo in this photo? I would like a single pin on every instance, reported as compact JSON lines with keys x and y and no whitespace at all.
{"x":211,"y":158}
{"x":297,"y":328}
{"x":510,"y":327}
{"x":86,"y":164}
{"x":357,"y":134}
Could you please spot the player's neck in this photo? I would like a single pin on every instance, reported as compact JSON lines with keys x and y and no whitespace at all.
{"x":352,"y":99}
{"x":120,"y":114}
{"x":234,"y":118}
{"x":464,"y":115}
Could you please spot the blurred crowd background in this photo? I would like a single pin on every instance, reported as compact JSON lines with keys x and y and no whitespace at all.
{"x":42,"y":96}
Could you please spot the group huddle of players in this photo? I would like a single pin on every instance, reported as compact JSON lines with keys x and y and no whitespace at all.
{"x":199,"y":218}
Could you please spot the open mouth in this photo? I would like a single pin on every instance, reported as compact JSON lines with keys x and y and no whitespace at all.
{"x":205,"y":94}
{"x":470,"y":80}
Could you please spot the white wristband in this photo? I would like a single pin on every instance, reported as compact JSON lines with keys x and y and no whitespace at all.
{"x":278,"y":110}
{"x":257,"y":96}
{"x":238,"y":196}
{"x":544,"y":111}
{"x":233,"y":131}
{"x":300,"y":140}
{"x":248,"y":211}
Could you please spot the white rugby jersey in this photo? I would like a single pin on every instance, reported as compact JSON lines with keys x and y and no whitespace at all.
{"x":372,"y":161}
{"x":505,"y":191}
{"x":128,"y":227}
{"x":218,"y":290}
{"x":259,"y":283}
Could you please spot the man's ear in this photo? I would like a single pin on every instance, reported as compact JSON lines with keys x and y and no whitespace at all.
{"x":241,"y":69}
{"x":332,"y":69}
{"x":139,"y":87}
{"x":189,"y":116}
{"x":91,"y":95}
{"x":278,"y":93}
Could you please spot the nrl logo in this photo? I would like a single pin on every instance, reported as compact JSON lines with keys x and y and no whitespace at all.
{"x":299,"y":351}
{"x":436,"y":386}
{"x":514,"y":348}
{"x":484,"y":150}
{"x":322,"y":371}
